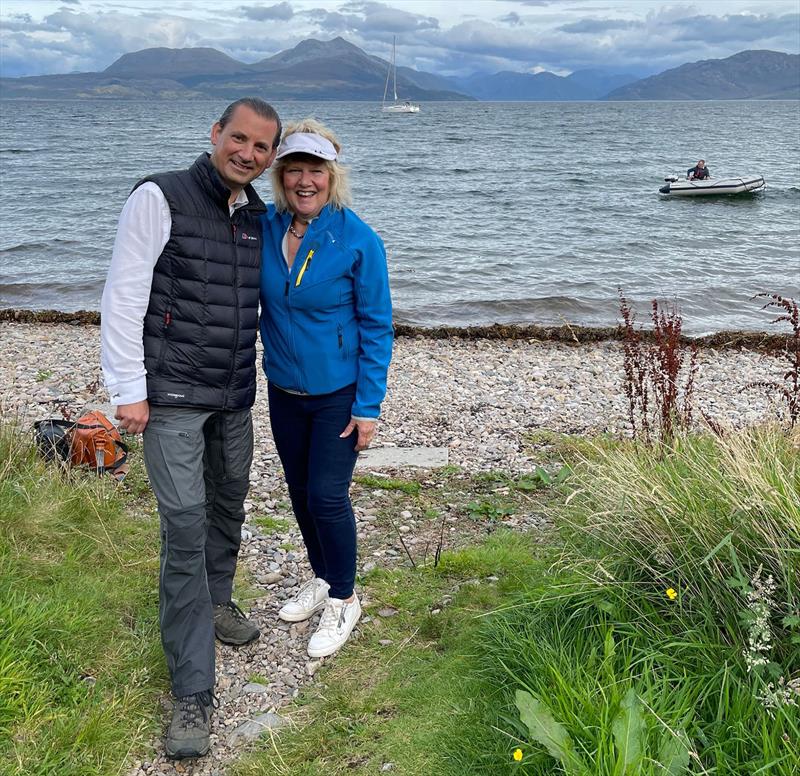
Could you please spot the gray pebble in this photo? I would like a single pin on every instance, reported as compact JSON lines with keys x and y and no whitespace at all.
{"x":253,"y":728}
{"x":254,"y":688}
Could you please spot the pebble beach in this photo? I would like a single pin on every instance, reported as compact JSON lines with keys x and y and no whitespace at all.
{"x":483,"y":400}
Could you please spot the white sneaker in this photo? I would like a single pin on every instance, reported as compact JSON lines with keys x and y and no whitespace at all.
{"x":335,"y":626}
{"x":310,"y":598}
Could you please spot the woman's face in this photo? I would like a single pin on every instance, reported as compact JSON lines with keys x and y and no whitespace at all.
{"x":307,"y":186}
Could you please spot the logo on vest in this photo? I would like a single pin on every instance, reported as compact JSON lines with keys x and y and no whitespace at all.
{"x":176,"y":395}
{"x":246,"y":236}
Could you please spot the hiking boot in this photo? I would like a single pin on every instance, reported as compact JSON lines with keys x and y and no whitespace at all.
{"x":189,"y":731}
{"x":335,"y":626}
{"x":231,"y":625}
{"x":310,"y":598}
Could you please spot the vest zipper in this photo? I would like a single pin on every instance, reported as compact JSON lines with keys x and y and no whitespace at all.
{"x":235,"y":316}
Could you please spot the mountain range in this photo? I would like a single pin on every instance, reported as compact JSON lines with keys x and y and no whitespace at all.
{"x":339,"y":70}
{"x":753,"y":75}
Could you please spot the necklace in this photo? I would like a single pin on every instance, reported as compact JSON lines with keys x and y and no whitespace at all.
{"x":297,"y":234}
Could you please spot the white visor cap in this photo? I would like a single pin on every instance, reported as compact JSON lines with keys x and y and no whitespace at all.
{"x":307,"y":143}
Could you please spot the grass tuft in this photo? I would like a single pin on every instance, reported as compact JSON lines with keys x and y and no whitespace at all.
{"x":678,"y":603}
{"x":80,"y":661}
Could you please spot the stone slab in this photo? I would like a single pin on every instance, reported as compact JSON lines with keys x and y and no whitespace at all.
{"x":399,"y":457}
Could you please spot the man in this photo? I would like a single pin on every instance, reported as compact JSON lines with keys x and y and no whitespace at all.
{"x":699,"y":172}
{"x":179,"y":322}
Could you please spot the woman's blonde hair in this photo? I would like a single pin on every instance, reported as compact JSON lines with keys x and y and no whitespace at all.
{"x":339,"y":184}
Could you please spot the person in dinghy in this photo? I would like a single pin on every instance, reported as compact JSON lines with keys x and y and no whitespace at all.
{"x":699,"y":172}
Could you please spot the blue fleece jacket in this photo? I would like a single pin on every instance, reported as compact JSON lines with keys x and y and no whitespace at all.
{"x":327,"y":323}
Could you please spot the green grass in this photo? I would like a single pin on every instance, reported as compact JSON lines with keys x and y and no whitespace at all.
{"x":80,"y":659}
{"x":391,"y":703}
{"x":270,"y":525}
{"x":490,"y":509}
{"x":565,"y":646}
{"x":412,"y":487}
{"x":577,"y":656}
{"x":709,"y":518}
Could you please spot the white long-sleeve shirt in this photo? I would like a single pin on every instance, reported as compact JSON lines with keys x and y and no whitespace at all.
{"x":143,"y":230}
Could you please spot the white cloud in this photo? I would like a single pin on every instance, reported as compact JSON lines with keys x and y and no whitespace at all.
{"x":280,"y":11}
{"x":506,"y":34}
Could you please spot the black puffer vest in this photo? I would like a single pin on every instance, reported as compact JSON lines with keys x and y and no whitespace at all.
{"x":201,"y":323}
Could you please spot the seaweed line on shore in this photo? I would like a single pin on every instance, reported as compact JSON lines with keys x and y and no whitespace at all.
{"x":567,"y":334}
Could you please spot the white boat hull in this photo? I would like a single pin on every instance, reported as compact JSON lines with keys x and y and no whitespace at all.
{"x":746,"y":183}
{"x":401,"y":108}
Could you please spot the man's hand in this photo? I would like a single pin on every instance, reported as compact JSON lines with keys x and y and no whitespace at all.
{"x":133,"y":417}
{"x":366,"y":431}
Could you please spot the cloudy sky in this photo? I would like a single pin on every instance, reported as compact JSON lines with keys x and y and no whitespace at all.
{"x":449,"y":37}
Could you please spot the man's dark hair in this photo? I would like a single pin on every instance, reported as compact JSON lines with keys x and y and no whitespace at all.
{"x":257,"y":105}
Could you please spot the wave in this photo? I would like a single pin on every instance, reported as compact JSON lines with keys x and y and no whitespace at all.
{"x":53,"y":293}
{"x":547,"y":309}
{"x":38,"y":246}
{"x":700,"y":315}
{"x":790,"y":194}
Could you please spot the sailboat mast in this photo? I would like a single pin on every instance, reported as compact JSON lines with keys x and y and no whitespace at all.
{"x":394,"y":66}
{"x":386,"y":85}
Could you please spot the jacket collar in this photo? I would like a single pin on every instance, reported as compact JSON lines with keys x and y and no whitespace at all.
{"x":217,"y":190}
{"x":325,"y":215}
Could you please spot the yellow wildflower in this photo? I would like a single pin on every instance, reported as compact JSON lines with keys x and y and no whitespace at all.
{"x":518,"y":754}
{"x":671,"y":593}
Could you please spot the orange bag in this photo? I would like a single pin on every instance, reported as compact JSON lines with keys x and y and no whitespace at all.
{"x":95,"y":442}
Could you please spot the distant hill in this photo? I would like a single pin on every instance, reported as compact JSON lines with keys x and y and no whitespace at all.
{"x":580,"y":85}
{"x":338,"y":70}
{"x":173,"y":63}
{"x":312,"y":70}
{"x":748,"y":75}
{"x":599,"y":83}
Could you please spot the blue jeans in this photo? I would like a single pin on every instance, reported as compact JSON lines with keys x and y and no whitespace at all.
{"x":318,"y":466}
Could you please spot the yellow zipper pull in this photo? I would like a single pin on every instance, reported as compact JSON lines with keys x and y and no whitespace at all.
{"x":305,"y":266}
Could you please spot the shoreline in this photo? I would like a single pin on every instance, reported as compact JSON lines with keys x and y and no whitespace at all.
{"x":483,"y":399}
{"x":565,"y":334}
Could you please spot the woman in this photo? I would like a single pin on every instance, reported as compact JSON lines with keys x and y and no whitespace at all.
{"x":326,"y":324}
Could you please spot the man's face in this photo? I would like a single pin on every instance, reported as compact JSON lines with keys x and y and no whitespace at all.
{"x":701,"y":164}
{"x":243,"y":147}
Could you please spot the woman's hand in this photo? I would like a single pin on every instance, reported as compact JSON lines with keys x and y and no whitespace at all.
{"x":366,"y":432}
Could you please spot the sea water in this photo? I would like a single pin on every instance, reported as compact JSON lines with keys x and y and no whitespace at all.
{"x":490,"y":212}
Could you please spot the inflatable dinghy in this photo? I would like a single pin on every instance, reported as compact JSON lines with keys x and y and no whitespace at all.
{"x":687,"y":188}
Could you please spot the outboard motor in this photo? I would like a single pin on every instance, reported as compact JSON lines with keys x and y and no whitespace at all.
{"x":669,"y":179}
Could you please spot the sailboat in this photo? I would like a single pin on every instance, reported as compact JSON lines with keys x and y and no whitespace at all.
{"x":396,"y":107}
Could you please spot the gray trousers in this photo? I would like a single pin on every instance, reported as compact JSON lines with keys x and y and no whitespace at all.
{"x":198,"y":462}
